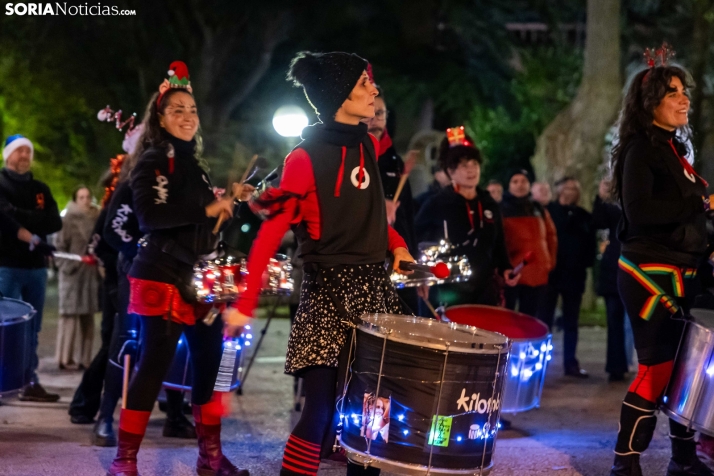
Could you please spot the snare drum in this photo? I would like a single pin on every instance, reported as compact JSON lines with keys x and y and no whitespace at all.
{"x":423,"y":396}
{"x":530,"y":351}
{"x":180,"y":375}
{"x":459,"y":267}
{"x":277,"y":278}
{"x":15,"y":335}
{"x":689,"y":398}
{"x":218,"y":280}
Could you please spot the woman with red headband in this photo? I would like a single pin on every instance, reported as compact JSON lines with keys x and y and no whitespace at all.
{"x":176,"y":208}
{"x":331,"y":193}
{"x":663,"y":235}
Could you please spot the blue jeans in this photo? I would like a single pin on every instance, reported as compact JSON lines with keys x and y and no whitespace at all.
{"x":27,"y":285}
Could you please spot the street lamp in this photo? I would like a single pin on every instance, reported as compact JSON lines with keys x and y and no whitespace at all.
{"x":289,"y":121}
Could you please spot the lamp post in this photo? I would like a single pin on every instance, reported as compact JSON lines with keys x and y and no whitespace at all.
{"x":289,"y":121}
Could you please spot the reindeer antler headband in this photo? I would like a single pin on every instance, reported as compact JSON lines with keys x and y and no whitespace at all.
{"x":657,"y":57}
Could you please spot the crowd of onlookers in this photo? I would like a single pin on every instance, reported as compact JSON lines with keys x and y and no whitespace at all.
{"x":565,"y":241}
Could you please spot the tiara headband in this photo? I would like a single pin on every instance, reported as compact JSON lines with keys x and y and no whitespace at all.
{"x":657,"y":57}
{"x":457,"y":136}
{"x":178,"y":79}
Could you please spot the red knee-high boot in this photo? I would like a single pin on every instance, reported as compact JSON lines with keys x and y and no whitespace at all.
{"x":211,"y":461}
{"x":132,"y":426}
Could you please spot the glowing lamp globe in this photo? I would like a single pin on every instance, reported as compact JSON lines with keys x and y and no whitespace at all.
{"x":289,"y":121}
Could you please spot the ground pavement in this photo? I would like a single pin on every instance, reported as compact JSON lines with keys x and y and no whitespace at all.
{"x":572,"y":433}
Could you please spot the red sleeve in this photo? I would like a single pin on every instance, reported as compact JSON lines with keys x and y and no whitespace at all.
{"x":395,"y":240}
{"x":297,"y":179}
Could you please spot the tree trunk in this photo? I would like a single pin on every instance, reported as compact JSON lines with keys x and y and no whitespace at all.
{"x":701,"y":38}
{"x":573,"y":143}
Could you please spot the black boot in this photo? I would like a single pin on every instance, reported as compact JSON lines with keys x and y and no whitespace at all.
{"x":103,"y":434}
{"x":685,"y":461}
{"x":627,"y":465}
{"x":637,"y":425}
{"x":354,"y":469}
{"x":179,"y":427}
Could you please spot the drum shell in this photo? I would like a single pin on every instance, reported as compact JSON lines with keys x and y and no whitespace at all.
{"x":529,"y":356}
{"x":410,"y":379}
{"x":180,"y":374}
{"x":15,"y":334}
{"x":688,"y":399}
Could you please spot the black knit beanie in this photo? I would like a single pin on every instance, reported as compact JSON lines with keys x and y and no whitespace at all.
{"x":326,"y":78}
{"x":520,"y":171}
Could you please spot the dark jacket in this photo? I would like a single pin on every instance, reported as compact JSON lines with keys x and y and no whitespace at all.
{"x":576,"y":247}
{"x":527,"y":226}
{"x":8,"y":225}
{"x":663,"y":217}
{"x":30,"y":203}
{"x":391,"y":167}
{"x":482,"y":240}
{"x":606,"y":216}
{"x":170,"y":195}
{"x":121,"y":229}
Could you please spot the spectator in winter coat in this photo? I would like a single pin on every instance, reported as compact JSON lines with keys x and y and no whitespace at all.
{"x":606,"y":216}
{"x":441,"y":180}
{"x":541,"y":193}
{"x":495,"y":189}
{"x":576,"y":253}
{"x":527,"y":228}
{"x":78,"y":283}
{"x":23,"y":269}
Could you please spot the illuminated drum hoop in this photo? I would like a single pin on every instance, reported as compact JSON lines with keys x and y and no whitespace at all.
{"x":530,"y":351}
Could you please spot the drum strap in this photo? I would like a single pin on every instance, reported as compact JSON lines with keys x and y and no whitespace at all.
{"x":642,"y":274}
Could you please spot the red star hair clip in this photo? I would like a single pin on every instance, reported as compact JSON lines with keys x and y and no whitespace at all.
{"x":658,"y":57}
{"x":178,"y":78}
{"x":108,"y":115}
{"x":457,"y":136}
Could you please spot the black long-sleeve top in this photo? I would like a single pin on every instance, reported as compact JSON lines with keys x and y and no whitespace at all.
{"x":170,"y":192}
{"x":8,"y":225}
{"x":121,"y":229}
{"x":663,"y":217}
{"x":606,"y":216}
{"x":391,"y":167}
{"x":30,"y":203}
{"x":475,"y":227}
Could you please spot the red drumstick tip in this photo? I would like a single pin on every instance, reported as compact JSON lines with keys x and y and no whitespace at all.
{"x":528,"y":256}
{"x":441,"y":270}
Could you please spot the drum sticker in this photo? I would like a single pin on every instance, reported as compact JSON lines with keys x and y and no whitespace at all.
{"x":375,"y":417}
{"x":440,"y":430}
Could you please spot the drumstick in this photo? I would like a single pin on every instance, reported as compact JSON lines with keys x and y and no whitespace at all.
{"x":408,"y":166}
{"x":431,"y":308}
{"x":125,"y":387}
{"x":517,"y":270}
{"x":439,"y":270}
{"x":231,"y":178}
{"x":69,"y":256}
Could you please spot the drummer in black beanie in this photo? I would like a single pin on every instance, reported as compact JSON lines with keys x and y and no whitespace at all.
{"x":331,"y":195}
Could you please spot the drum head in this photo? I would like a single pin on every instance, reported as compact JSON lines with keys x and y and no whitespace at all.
{"x":703,"y":317}
{"x":13,"y":311}
{"x":434,"y":334}
{"x":513,"y":325}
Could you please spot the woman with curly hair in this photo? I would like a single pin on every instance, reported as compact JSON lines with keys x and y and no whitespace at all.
{"x":663,"y":237}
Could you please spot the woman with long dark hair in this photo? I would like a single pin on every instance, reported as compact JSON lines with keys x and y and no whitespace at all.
{"x":177,"y":210}
{"x":663,"y":237}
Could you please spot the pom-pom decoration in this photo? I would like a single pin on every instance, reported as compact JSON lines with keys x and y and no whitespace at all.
{"x":457,"y":136}
{"x":178,"y":78}
{"x":108,"y":115}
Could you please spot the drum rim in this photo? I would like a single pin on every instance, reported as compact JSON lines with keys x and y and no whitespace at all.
{"x":492,"y":348}
{"x":685,"y":421}
{"x":15,"y":320}
{"x":418,"y":469}
{"x":547,"y":335}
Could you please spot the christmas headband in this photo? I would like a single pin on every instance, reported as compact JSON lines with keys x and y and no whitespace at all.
{"x":657,"y":57}
{"x":108,"y":115}
{"x":457,"y":136}
{"x":178,"y":78}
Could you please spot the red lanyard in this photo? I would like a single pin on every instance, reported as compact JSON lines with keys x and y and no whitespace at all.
{"x":471,"y":214}
{"x":687,"y":166}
